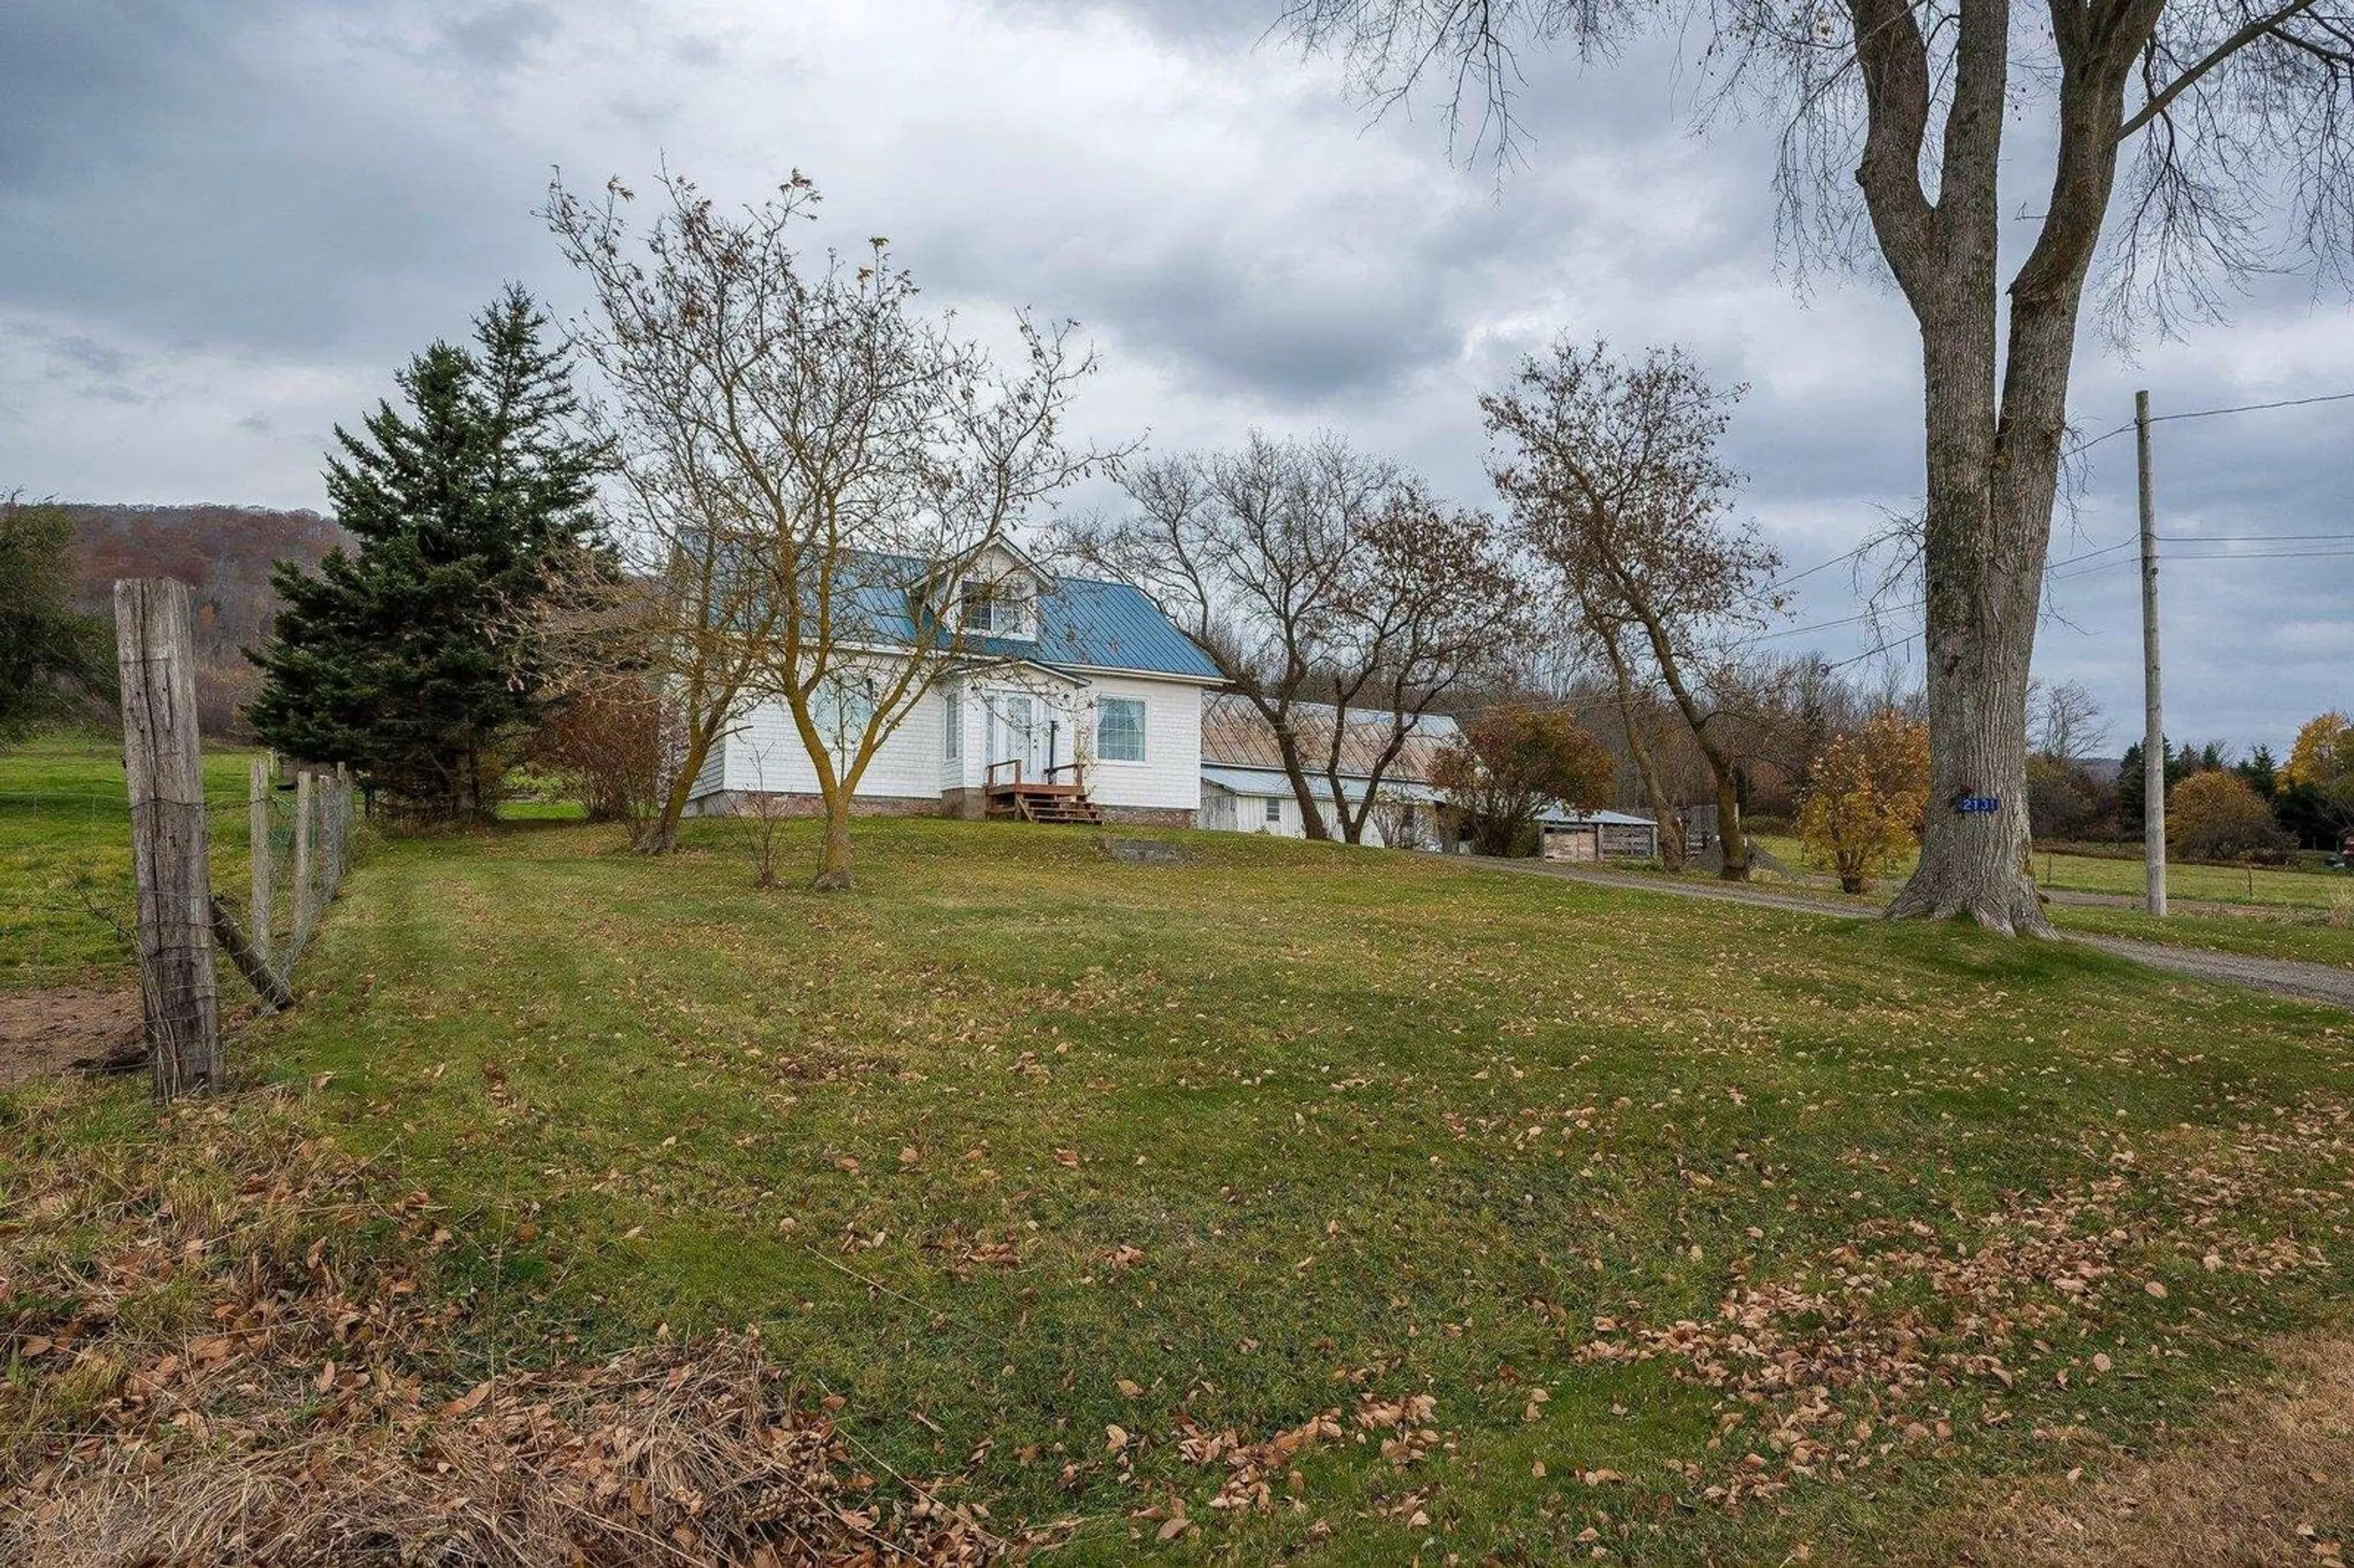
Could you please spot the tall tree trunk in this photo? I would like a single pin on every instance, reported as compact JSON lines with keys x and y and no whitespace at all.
{"x":1671,"y":834}
{"x":1983,"y":557}
{"x":1993,"y":478}
{"x":1732,"y":839}
{"x":1287,"y":745}
{"x":833,"y":854}
{"x":660,"y":835}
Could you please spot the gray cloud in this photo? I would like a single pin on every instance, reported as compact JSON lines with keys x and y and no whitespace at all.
{"x":222,"y":229}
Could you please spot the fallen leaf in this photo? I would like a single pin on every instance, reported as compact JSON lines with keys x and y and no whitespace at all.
{"x":1115,"y":1438}
{"x":471,"y":1401}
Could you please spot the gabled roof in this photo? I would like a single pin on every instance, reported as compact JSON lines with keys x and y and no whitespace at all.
{"x":1083,"y":623}
{"x":1087,"y":624}
{"x":1272,"y":781}
{"x":1558,"y":818}
{"x":1234,"y":735}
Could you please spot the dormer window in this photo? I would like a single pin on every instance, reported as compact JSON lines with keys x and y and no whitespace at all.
{"x":1004,"y":607}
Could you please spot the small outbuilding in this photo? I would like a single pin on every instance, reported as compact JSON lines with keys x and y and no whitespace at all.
{"x":1596,"y":836}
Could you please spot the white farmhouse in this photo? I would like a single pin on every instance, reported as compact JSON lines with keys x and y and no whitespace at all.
{"x":1071,"y":700}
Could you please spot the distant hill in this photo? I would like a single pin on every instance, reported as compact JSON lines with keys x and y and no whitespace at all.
{"x":224,"y":554}
{"x":2101,"y":769}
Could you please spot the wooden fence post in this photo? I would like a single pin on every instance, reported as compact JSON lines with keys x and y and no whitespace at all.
{"x":342,"y":826}
{"x":256,"y":828}
{"x":302,"y":892}
{"x":155,"y":654}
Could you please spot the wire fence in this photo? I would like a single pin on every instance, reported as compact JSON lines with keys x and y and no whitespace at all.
{"x":275,"y":858}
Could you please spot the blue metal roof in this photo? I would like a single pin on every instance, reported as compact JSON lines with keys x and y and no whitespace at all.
{"x":1089,"y":625}
{"x":1083,"y":623}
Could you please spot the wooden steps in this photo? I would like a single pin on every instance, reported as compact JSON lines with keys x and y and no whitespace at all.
{"x":1047,"y":804}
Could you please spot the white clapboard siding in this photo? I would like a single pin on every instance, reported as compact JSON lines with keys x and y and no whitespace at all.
{"x":765,"y":752}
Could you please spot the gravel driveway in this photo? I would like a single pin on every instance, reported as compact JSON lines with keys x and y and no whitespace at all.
{"x":2280,"y":976}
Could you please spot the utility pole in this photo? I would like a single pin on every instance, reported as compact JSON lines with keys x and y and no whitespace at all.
{"x":2153,"y":738}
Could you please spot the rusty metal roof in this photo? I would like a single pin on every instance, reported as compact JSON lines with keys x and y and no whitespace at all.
{"x":1234,"y":735}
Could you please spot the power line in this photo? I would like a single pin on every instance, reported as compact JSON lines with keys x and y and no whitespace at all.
{"x":1878,"y":648}
{"x":2243,"y":539}
{"x":2254,"y":408}
{"x":1914,"y":604}
{"x":1810,"y":571}
{"x":2082,"y":447}
{"x":2088,"y":571}
{"x":2262,"y":555}
{"x":2213,"y":413}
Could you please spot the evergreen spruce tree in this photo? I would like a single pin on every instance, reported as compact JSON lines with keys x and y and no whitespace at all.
{"x":410,"y":658}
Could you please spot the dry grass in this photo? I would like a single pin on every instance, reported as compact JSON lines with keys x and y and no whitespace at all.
{"x":2267,"y":1481}
{"x":257,"y":1360}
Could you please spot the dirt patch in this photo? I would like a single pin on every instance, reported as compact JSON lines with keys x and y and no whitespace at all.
{"x":66,"y":1027}
{"x":2264,"y":1482}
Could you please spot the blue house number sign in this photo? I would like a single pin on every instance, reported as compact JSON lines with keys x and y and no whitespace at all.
{"x":1977,"y":805}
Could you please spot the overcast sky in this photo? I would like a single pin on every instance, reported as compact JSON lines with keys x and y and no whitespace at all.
{"x":223,"y":226}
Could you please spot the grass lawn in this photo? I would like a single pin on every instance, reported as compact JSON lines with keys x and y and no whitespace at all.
{"x":2260,"y":886}
{"x":1705,"y":1231}
{"x":2274,"y":927}
{"x":2272,"y":934}
{"x":65,"y":856}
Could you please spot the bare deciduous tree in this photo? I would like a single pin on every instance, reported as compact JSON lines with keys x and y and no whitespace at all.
{"x":2233,"y":123}
{"x":814,"y":468}
{"x":1320,"y":581}
{"x":1433,"y":603}
{"x":1612,"y":474}
{"x":2069,"y":724}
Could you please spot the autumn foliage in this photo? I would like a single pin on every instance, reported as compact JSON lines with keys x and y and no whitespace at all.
{"x":1864,"y":805}
{"x":1509,"y":764}
{"x":2214,"y":814}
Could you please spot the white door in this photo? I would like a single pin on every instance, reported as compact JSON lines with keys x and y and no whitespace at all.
{"x":1016,"y":735}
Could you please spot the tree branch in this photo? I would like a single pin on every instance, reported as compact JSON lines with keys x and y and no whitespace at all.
{"x":2248,"y":34}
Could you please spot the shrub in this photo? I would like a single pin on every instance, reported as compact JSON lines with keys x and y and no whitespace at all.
{"x":1509,"y":764}
{"x":1865,"y":804}
{"x":2217,"y":815}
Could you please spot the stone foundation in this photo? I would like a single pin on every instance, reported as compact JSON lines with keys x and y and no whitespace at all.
{"x":1148,"y":816}
{"x":740,"y":802}
{"x":968,"y":805}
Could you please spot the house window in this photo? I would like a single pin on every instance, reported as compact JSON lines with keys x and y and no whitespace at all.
{"x":1119,"y":729}
{"x":996,"y":609}
{"x":843,"y":708}
{"x":1274,"y":813}
{"x":952,"y":725}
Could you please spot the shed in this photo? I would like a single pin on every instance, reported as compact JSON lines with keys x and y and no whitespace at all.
{"x":1596,"y":836}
